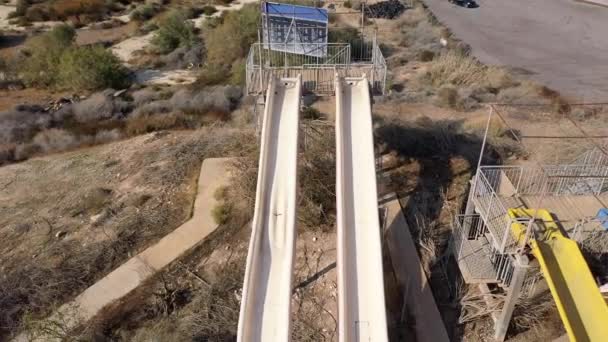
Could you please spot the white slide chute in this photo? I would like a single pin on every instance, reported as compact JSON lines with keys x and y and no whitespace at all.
{"x":265,"y":306}
{"x":361,"y":308}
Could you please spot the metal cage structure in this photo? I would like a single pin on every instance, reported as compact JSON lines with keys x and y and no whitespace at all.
{"x":318,"y":66}
{"x":573,"y":192}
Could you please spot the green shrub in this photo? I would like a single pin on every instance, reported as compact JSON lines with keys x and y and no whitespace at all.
{"x":209,"y":10}
{"x":173,"y":32}
{"x":143,"y":12}
{"x":212,"y":75}
{"x":54,"y":61}
{"x":226,"y":57}
{"x":348,"y":4}
{"x":231,"y":39}
{"x":426,"y":55}
{"x":62,"y":35}
{"x":91,"y":68}
{"x":237,"y":72}
{"x":221,"y":212}
{"x":311,"y":113}
{"x":41,"y":66}
{"x":21,"y":7}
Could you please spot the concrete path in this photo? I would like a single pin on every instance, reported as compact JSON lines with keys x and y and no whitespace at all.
{"x":126,"y":278}
{"x":561,"y":43}
{"x":411,"y":277}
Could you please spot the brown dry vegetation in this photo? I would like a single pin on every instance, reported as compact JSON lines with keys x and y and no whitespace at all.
{"x":197,"y":298}
{"x":69,"y":219}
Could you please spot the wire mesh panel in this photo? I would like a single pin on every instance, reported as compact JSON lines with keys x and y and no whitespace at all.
{"x":317,"y":72}
{"x":294,"y":29}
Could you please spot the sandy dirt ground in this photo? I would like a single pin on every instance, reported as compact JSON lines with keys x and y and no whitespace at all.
{"x":560,"y":43}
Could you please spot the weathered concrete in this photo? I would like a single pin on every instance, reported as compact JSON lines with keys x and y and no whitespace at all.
{"x":562,"y":43}
{"x":127,"y":277}
{"x":411,"y":277}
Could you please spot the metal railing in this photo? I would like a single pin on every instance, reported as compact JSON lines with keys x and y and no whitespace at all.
{"x":496,"y":184}
{"x":318,"y":65}
{"x":493,"y":213}
{"x":549,"y":180}
{"x":468,"y":228}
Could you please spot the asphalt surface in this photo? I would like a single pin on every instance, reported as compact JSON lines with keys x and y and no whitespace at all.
{"x":560,"y":43}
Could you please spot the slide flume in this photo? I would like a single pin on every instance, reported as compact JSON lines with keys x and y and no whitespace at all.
{"x":265,"y":306}
{"x":361,"y":307}
{"x":579,"y":301}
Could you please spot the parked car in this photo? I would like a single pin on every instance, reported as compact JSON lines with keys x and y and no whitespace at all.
{"x":465,"y":3}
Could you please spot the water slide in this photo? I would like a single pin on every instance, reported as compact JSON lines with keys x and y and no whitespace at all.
{"x":361,"y":310}
{"x":579,"y":302}
{"x":265,"y":306}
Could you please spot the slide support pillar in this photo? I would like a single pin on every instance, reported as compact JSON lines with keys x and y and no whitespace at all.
{"x":519,"y":274}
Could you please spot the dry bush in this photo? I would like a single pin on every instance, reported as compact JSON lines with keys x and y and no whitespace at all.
{"x":21,"y":124}
{"x":447,"y":96}
{"x":214,"y":313}
{"x":106,"y":136}
{"x":174,"y":31}
{"x":455,"y":69}
{"x":66,"y":8}
{"x":152,"y":108}
{"x":241,"y":26}
{"x":99,"y":106}
{"x":137,"y":125}
{"x":317,"y":170}
{"x":185,"y":57}
{"x":530,"y":313}
{"x":144,"y":96}
{"x":54,"y":140}
{"x":221,"y":99}
{"x":144,"y":12}
{"x":413,"y":17}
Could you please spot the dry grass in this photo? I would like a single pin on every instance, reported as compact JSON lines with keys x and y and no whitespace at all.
{"x":92,"y":210}
{"x":458,"y":69}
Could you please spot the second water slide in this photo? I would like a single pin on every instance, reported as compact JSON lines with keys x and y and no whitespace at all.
{"x":265,"y":306}
{"x":361,"y":308}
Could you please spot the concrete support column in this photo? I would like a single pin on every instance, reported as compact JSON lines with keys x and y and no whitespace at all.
{"x":519,"y":274}
{"x":470,"y":208}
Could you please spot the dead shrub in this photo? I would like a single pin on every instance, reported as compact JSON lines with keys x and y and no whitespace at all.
{"x":98,"y":106}
{"x":145,"y":124}
{"x":426,"y":55}
{"x":144,"y":96}
{"x":455,"y":69}
{"x":448,"y":97}
{"x":55,"y":140}
{"x":152,"y":108}
{"x":19,"y":125}
{"x":316,"y":170}
{"x":219,"y":99}
{"x":66,"y":8}
{"x":185,"y":57}
{"x":413,"y":17}
{"x":106,"y":136}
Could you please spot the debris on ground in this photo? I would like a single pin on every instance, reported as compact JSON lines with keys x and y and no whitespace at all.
{"x":385,"y":9}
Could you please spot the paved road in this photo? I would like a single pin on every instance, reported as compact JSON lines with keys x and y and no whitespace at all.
{"x":562,"y":43}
